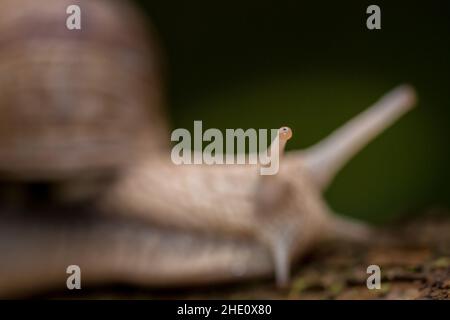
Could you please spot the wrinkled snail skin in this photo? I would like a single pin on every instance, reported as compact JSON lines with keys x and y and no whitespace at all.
{"x":236,"y":201}
{"x":151,"y":223}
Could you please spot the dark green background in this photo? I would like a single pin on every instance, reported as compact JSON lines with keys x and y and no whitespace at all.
{"x":312,"y":66}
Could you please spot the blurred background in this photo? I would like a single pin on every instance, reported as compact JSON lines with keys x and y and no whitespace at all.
{"x":313,"y":66}
{"x":78,"y":107}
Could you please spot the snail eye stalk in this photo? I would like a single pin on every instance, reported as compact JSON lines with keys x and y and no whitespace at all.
{"x":284,"y":134}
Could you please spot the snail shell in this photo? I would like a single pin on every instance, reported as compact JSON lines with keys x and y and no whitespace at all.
{"x":76,"y":102}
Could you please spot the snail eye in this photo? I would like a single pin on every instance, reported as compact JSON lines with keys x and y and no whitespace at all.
{"x":286,"y":132}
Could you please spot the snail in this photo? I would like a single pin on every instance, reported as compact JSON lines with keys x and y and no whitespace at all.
{"x":98,"y":139}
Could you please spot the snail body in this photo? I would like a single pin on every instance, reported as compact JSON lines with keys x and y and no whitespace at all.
{"x":154,"y":223}
{"x":284,"y":213}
